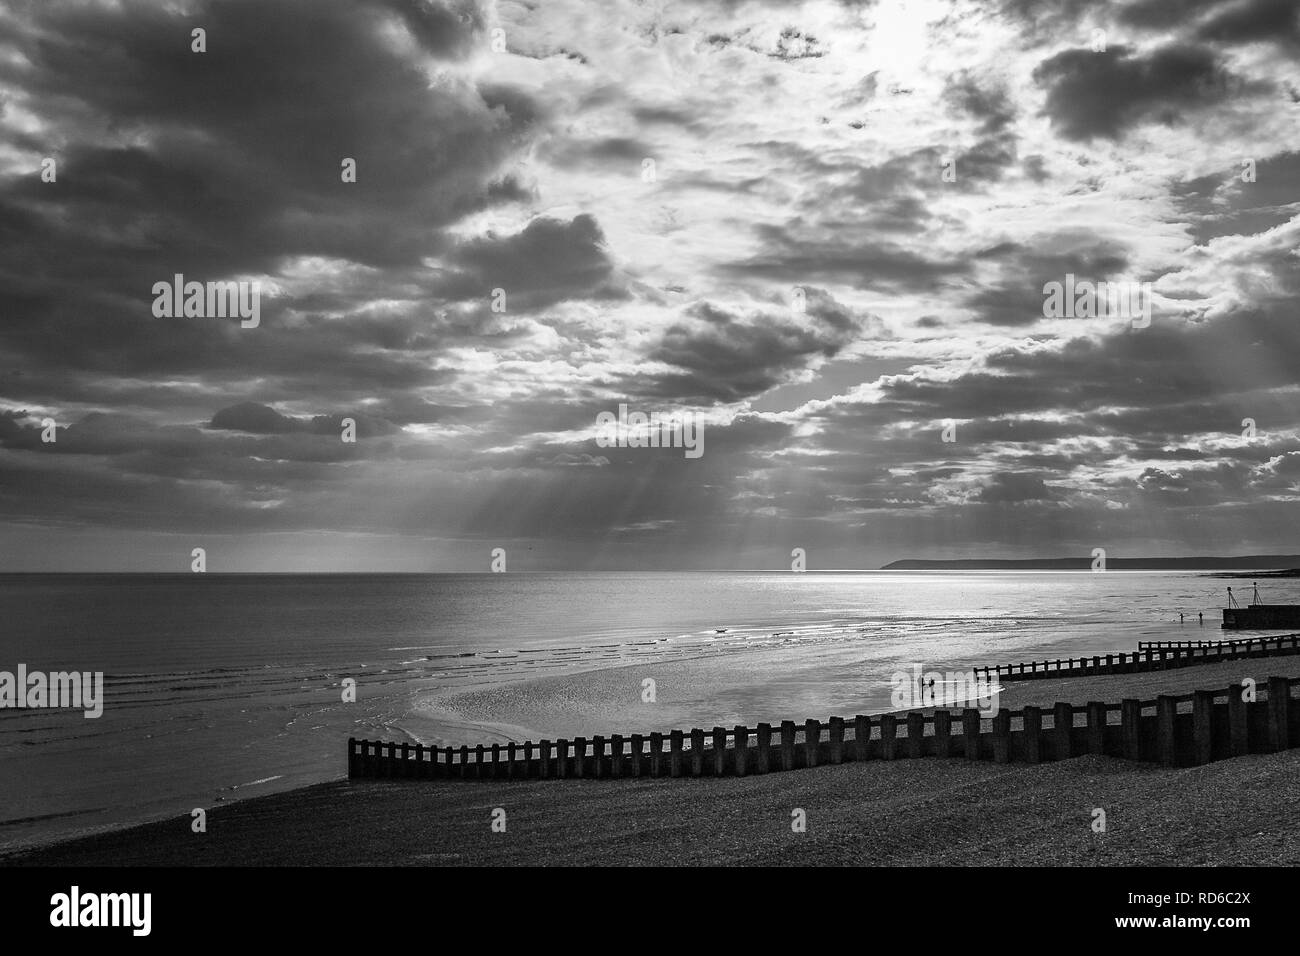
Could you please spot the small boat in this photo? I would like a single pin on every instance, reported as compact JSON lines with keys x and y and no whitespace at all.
{"x":1260,"y":617}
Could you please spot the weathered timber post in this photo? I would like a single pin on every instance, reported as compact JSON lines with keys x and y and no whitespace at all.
{"x":837,"y":739}
{"x":1130,"y":720}
{"x":1063,"y":729}
{"x":970,"y":728}
{"x":861,"y":737}
{"x":1238,"y":724}
{"x":888,"y":737}
{"x":1033,"y":720}
{"x":787,"y":745}
{"x":1166,"y":720}
{"x":1203,"y":726}
{"x":943,"y":733}
{"x":764,"y":756}
{"x":812,"y":734}
{"x":915,"y":734}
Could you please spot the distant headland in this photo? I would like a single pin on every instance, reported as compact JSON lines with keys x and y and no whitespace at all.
{"x":1278,"y":565}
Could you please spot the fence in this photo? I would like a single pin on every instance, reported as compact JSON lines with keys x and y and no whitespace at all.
{"x":1174,"y":730}
{"x":1149,"y":657}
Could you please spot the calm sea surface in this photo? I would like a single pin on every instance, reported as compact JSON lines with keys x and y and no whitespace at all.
{"x":225,"y":686}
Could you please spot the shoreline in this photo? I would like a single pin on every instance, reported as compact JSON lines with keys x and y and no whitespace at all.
{"x":1232,"y":812}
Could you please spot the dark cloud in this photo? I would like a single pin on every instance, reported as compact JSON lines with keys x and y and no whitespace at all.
{"x":1103,"y":95}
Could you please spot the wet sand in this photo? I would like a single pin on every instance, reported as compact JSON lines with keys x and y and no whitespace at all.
{"x":906,"y":812}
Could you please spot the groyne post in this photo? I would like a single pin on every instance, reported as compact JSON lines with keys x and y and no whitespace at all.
{"x":1033,"y":721}
{"x":675,"y":754}
{"x":656,"y":754}
{"x":1096,"y":727}
{"x":915,"y":734}
{"x":579,"y":756}
{"x":942,"y":733}
{"x":1130,"y":725}
{"x":697,"y":752}
{"x":742,"y":749}
{"x":561,"y":758}
{"x":719,"y":751}
{"x":1279,"y":698}
{"x":764,"y":756}
{"x":1166,"y":718}
{"x":861,"y":736}
{"x":616,"y":755}
{"x":1002,"y":736}
{"x":638,"y":744}
{"x":787,"y":745}
{"x":812,"y":735}
{"x":1238,"y":723}
{"x":837,"y":739}
{"x":970,"y":730}
{"x":1203,"y":725}
{"x":1063,"y":728}
{"x":888,"y":737}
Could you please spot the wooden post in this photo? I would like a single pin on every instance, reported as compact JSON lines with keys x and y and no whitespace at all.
{"x":528,"y":758}
{"x":812,"y":734}
{"x":1238,"y":724}
{"x":421,"y":768}
{"x":656,"y":754}
{"x":742,"y":749}
{"x":970,"y":728}
{"x":915,"y":734}
{"x":861,"y":737}
{"x":1166,"y":716}
{"x":1002,"y":736}
{"x":1130,"y":717}
{"x":837,"y":739}
{"x":1096,"y":727}
{"x":561,"y":758}
{"x":1033,"y":719}
{"x":1279,"y":698}
{"x":579,"y":756}
{"x":598,"y":756}
{"x":544,"y":759}
{"x":616,"y":755}
{"x":1062,"y":727}
{"x":1203,"y":726}
{"x":719,"y":751}
{"x":697,"y":752}
{"x":675,"y":753}
{"x":787,"y":745}
{"x":1110,"y":663}
{"x":479,"y":766}
{"x":353,"y":760}
{"x":764,"y":756}
{"x":404,"y":768}
{"x":496,"y":761}
{"x":512,"y":759}
{"x":943,"y":733}
{"x":463,"y":767}
{"x":638,"y":742}
{"x":888,"y":737}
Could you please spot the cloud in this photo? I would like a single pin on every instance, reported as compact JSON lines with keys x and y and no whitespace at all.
{"x":1104,"y":95}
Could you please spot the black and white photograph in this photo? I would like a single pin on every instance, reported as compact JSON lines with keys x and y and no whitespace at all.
{"x":844,"y":435}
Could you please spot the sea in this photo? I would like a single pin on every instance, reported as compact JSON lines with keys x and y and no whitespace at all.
{"x":222,"y":687}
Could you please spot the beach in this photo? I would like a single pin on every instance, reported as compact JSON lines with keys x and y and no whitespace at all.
{"x":895,"y":813}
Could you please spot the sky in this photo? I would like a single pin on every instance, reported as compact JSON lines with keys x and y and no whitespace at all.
{"x":822,"y":232}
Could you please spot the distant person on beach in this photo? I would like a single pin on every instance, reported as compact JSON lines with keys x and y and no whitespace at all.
{"x":1201,"y":615}
{"x":1180,"y":617}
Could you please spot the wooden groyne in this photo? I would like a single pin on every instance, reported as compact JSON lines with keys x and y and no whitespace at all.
{"x":1174,"y":730}
{"x":1150,"y":656}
